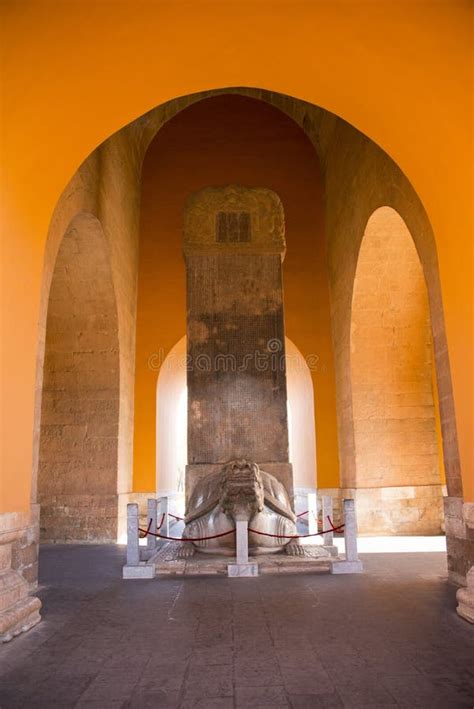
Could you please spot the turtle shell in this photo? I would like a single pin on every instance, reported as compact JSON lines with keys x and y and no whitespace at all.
{"x":208,"y":492}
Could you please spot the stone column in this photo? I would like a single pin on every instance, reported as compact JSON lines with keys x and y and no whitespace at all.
{"x":237,"y":400}
{"x":19,"y":611}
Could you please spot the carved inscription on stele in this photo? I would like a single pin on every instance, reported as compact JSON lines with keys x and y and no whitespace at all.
{"x":234,"y":218}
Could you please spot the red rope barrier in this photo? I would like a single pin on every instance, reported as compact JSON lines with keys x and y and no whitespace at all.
{"x":302,"y":514}
{"x":181,"y":519}
{"x":147,"y":531}
{"x":297,"y":536}
{"x":185,"y":539}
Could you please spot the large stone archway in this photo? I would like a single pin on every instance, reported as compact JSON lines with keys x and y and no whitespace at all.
{"x":351,"y":164}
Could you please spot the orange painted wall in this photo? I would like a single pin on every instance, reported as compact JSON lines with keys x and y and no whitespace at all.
{"x":223,"y":140}
{"x":75,"y":72}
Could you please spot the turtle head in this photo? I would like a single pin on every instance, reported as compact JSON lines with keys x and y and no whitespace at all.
{"x":242,"y":489}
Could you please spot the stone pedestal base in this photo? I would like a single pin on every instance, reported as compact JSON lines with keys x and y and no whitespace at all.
{"x":347,"y":567}
{"x":19,"y":618}
{"x":140,"y":571}
{"x":249,"y":569}
{"x":18,"y":610}
{"x":168,"y":562}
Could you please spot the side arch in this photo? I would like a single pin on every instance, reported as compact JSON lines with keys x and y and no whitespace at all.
{"x":77,"y":472}
{"x":397,"y":461}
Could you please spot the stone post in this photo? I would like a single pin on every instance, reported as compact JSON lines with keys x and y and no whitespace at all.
{"x":351,"y":564}
{"x":350,"y":531}
{"x":312,"y":513}
{"x":152,"y":508}
{"x":165,"y":527}
{"x":242,"y":541}
{"x":133,"y":549}
{"x":243,"y":567}
{"x":134,"y":568}
{"x":327,"y":511}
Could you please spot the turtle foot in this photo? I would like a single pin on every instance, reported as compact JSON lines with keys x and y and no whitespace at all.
{"x":186,"y":551}
{"x":295,"y":549}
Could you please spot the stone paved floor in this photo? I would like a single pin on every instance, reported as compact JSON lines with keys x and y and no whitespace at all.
{"x":387,"y":638}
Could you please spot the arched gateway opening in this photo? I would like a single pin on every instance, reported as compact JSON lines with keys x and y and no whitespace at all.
{"x":136,"y":186}
{"x":172,"y":425}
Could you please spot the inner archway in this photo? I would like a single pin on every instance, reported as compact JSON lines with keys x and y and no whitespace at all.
{"x":396,"y":424}
{"x":77,"y":480}
{"x":171,"y":423}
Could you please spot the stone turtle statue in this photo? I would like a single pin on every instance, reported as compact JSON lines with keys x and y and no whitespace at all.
{"x":240,"y":491}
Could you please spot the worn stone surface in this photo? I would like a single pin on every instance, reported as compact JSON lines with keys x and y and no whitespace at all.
{"x":237,"y":397}
{"x":80,"y":397}
{"x":213,"y":221}
{"x":19,"y":611}
{"x":220,"y":642}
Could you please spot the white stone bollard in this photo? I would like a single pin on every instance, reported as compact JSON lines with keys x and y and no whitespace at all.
{"x":350,"y":531}
{"x":133,"y":548}
{"x":327,"y":511}
{"x":312,"y":513}
{"x":242,"y":541}
{"x":243,"y":567}
{"x":134,"y":568}
{"x":152,"y":514}
{"x":351,"y":564}
{"x":165,"y":527}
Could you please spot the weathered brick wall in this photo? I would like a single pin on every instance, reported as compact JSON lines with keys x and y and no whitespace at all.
{"x":79,"y":419}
